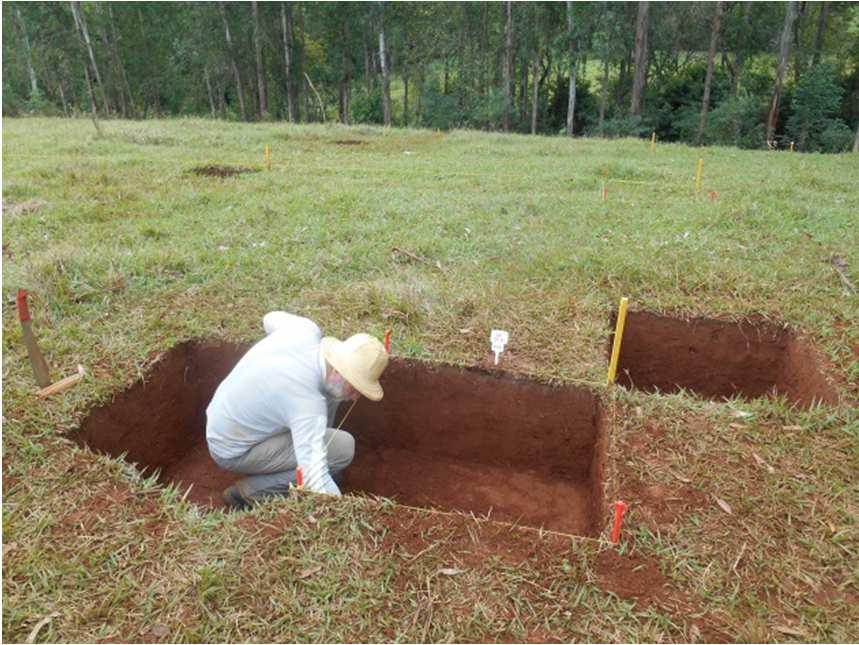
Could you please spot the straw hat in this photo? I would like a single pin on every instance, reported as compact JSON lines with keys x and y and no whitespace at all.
{"x":361,"y":359}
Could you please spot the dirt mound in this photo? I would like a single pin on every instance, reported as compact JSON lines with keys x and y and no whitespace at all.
{"x":221,"y":171}
{"x":350,"y":142}
{"x":719,"y":359}
{"x":443,"y":437}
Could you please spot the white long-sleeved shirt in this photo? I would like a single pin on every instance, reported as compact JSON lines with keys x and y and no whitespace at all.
{"x":277,"y":384}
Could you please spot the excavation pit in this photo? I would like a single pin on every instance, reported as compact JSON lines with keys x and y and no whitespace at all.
{"x":443,"y":437}
{"x":719,"y":359}
{"x":221,"y":171}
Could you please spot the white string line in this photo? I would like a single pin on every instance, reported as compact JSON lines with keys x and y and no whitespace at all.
{"x":340,"y":425}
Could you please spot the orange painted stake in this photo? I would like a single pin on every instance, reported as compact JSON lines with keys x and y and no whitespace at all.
{"x":619,"y":509}
{"x":388,"y":341}
{"x":299,"y":477}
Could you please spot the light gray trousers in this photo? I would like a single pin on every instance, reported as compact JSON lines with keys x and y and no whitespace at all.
{"x":270,"y":465}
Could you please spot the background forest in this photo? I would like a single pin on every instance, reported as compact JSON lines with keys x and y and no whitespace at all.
{"x":750,"y":74}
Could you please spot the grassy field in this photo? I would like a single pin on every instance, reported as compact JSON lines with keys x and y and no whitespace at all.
{"x":127,"y":252}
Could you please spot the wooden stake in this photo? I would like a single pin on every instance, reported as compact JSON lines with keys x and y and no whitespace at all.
{"x":62,"y":385}
{"x":618,"y":336}
{"x":268,"y":157}
{"x":604,"y":193}
{"x":620,"y":509}
{"x":791,"y":146}
{"x":653,"y":142}
{"x":698,"y":175}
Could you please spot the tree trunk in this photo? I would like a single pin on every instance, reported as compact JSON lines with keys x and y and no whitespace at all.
{"x":263,"y":93}
{"x":368,"y":62}
{"x":84,"y":34}
{"x":34,"y":86}
{"x":622,"y":78}
{"x":405,"y":99}
{"x":111,"y":85}
{"x":740,"y":58}
{"x":93,"y":111}
{"x":603,"y":94}
{"x":856,"y":140}
{"x":535,"y":91}
{"x":418,"y":101}
{"x":821,"y":29}
{"x":115,"y":39}
{"x":209,"y":91}
{"x":637,"y":103}
{"x":386,"y":72}
{"x":288,"y":62}
{"x":233,"y":63}
{"x":444,"y":83}
{"x":711,"y":60}
{"x":571,"y":99}
{"x":63,"y":97}
{"x":508,"y":65}
{"x":484,"y":38}
{"x":114,"y":72}
{"x":318,"y":97}
{"x":784,"y":53}
{"x":346,"y":76}
{"x":523,"y":92}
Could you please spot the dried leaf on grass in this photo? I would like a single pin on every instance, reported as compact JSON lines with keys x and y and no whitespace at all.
{"x":449,"y":571}
{"x":309,"y":571}
{"x":681,"y":478}
{"x":760,"y":462}
{"x":38,"y":626}
{"x":724,"y":506}
{"x":159,"y":630}
{"x":789,"y":631}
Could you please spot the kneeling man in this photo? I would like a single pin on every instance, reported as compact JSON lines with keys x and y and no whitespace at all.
{"x":275,"y":410}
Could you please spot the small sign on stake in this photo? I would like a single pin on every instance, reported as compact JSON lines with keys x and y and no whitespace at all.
{"x":499,"y":339}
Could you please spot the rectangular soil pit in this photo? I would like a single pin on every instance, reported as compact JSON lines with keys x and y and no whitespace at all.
{"x":718,"y":359}
{"x":470,"y":440}
{"x":442,"y":437}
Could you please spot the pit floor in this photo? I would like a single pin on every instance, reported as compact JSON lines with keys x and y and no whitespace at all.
{"x":505,"y":494}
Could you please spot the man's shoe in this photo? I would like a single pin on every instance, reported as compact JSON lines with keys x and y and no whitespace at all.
{"x":234,"y":499}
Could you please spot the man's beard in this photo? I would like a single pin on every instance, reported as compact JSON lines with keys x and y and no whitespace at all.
{"x":336,"y":390}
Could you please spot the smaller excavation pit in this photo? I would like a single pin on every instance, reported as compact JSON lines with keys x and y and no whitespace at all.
{"x":443,"y":437}
{"x":221,"y":171}
{"x":719,"y":359}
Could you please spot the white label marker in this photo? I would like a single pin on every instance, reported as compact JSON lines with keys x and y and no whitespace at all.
{"x":499,"y":339}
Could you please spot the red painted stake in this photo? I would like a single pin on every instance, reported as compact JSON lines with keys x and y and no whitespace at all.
{"x":619,"y":509}
{"x":299,"y":477}
{"x":388,"y":341}
{"x":23,"y":310}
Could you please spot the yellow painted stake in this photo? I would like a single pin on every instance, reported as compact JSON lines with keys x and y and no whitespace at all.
{"x":268,"y":157}
{"x":653,"y":142}
{"x":618,"y":337}
{"x":791,"y":146}
{"x":698,"y":175}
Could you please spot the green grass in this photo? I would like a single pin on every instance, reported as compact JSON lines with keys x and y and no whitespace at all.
{"x":131,"y":253}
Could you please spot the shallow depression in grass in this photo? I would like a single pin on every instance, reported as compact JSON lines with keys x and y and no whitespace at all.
{"x":443,"y":437}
